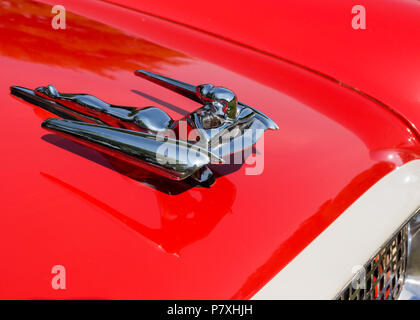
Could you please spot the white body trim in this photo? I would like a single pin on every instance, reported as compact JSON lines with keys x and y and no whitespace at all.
{"x":326,"y":265}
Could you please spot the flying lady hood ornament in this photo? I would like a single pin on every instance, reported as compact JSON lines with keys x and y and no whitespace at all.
{"x":149,"y":137}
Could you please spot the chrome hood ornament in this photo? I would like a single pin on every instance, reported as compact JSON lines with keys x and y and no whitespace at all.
{"x":149,"y":137}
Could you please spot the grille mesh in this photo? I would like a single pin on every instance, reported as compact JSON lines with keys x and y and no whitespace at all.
{"x":383,"y":276}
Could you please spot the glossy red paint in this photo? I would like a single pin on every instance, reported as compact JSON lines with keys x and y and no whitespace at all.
{"x":382,"y":60}
{"x":124,"y":233}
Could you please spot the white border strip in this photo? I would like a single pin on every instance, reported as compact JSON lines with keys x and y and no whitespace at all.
{"x":325,"y":266}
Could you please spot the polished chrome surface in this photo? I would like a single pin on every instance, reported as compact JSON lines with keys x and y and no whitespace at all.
{"x":382,"y":277}
{"x":223,"y":123}
{"x":135,"y":147}
{"x":223,"y":126}
{"x":394,"y":272}
{"x":85,"y":107}
{"x":411,"y":289}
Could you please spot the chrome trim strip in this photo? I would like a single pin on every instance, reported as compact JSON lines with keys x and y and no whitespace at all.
{"x":411,"y":288}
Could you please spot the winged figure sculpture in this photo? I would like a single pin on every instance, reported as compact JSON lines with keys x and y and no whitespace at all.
{"x":149,"y":137}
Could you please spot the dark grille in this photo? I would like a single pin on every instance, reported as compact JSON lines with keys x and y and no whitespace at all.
{"x":383,"y":276}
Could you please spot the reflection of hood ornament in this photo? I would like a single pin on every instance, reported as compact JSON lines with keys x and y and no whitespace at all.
{"x":149,"y":137}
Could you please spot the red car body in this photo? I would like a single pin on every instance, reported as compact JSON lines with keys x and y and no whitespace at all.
{"x":346,"y":102}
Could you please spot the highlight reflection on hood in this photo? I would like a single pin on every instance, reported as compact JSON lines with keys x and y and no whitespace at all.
{"x":93,"y":46}
{"x":180,"y":226}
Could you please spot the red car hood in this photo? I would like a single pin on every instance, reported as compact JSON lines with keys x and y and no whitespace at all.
{"x":321,"y":37}
{"x":121,"y":232}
